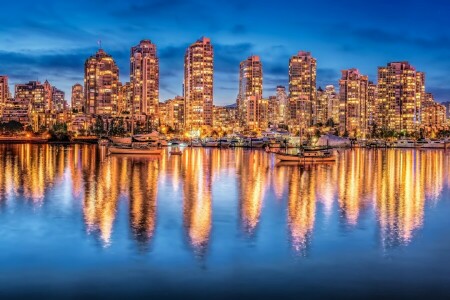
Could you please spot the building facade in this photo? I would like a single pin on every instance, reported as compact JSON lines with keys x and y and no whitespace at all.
{"x":144,"y":79}
{"x":33,"y":94}
{"x":4,"y":92}
{"x":250,"y":92}
{"x":198,"y":85}
{"x":77,"y":99}
{"x":302,"y":89}
{"x":399,"y":96}
{"x":101,"y":78}
{"x":353,"y":98}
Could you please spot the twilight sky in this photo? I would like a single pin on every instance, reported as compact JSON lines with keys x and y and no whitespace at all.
{"x":52,"y":39}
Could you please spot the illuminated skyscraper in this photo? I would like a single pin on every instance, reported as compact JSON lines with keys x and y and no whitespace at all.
{"x":144,"y":79}
{"x":198,"y":84}
{"x":333,"y":104}
{"x":33,"y":94}
{"x":77,"y":99}
{"x":250,"y":92}
{"x":4,"y":92}
{"x":283,"y":105}
{"x":353,"y":95}
{"x":399,"y":94}
{"x":101,"y":78}
{"x":59,"y":110}
{"x":302,"y":88}
{"x":321,"y":107}
{"x":371,"y":108}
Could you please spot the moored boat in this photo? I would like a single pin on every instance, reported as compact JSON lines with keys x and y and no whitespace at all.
{"x":120,"y":139}
{"x":254,"y":143}
{"x":134,"y":149}
{"x":307,"y":156}
{"x":224,"y":143}
{"x":211,"y":143}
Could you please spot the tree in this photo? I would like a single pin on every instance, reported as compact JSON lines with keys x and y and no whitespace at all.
{"x":13,"y":126}
{"x":59,"y":132}
{"x":98,"y":126}
{"x":330,"y":123}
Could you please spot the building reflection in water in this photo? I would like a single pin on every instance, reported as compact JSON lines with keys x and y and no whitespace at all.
{"x":102,"y":190}
{"x":197,"y":197}
{"x":395,"y":184}
{"x":29,"y":170}
{"x":252,"y":184}
{"x":301,"y":207}
{"x":143,"y":191}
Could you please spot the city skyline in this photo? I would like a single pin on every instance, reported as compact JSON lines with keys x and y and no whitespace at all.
{"x":54,"y":47}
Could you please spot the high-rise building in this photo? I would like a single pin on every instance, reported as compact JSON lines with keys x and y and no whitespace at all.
{"x":371,"y":108}
{"x":4,"y":92}
{"x":48,"y":98}
{"x":59,"y":106}
{"x":77,"y":99}
{"x":144,"y":79}
{"x":447,"y":108}
{"x":101,"y":78}
{"x":198,"y":85}
{"x":172,"y":113}
{"x":333,"y":104}
{"x":225,"y":118}
{"x":353,"y":95}
{"x":125,"y":99}
{"x":321,"y":107}
{"x":433,"y":115}
{"x":283,"y":106}
{"x":250,"y":92}
{"x":399,"y":96}
{"x":302,"y":88}
{"x":33,"y":94}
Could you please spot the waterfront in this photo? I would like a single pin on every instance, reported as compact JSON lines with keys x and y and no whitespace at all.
{"x":223,"y":222}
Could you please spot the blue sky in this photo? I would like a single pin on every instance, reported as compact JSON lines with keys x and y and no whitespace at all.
{"x":51,"y":39}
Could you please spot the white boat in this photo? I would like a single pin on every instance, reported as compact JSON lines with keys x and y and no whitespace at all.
{"x":254,"y":143}
{"x":120,"y":140}
{"x":196,"y":143}
{"x":429,"y":144}
{"x":404,"y":143}
{"x":150,"y":137}
{"x":135,"y":148}
{"x":224,"y":143}
{"x":211,"y":143}
{"x":310,"y":156}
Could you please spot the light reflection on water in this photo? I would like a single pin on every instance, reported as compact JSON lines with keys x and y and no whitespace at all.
{"x":215,"y":201}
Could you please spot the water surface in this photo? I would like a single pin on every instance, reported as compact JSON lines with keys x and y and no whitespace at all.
{"x":219,"y":223}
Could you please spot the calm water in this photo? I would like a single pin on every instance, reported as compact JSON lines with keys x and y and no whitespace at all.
{"x":75,"y":221}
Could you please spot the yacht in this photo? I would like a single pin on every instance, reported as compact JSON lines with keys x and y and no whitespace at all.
{"x":308,"y":156}
{"x":120,"y":139}
{"x":195,"y":143}
{"x":135,"y":148}
{"x":211,"y":143}
{"x":254,"y":143}
{"x":224,"y":143}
